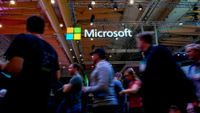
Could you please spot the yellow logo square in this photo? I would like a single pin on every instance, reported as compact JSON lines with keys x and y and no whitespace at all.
{"x":70,"y":30}
{"x":77,"y":36}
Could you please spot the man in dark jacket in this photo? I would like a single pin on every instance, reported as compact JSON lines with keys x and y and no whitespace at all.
{"x":163,"y":82}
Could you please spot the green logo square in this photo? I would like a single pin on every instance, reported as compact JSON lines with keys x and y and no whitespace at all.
{"x":77,"y":30}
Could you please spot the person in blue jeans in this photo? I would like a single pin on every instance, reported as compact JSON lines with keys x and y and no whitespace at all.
{"x":73,"y":91}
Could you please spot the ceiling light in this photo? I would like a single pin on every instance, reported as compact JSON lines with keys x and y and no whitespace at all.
{"x":80,"y":55}
{"x":110,"y":56}
{"x":73,"y":57}
{"x":93,"y":2}
{"x":61,"y":25}
{"x":181,"y":23}
{"x":53,"y":2}
{"x":92,"y":18}
{"x":12,"y":2}
{"x":91,"y":39}
{"x":116,"y":38}
{"x":195,"y":7}
{"x":115,"y":6}
{"x":1,"y":25}
{"x":131,"y":2}
{"x":140,"y":7}
{"x":77,"y":41}
{"x":70,"y":49}
{"x":91,"y":23}
{"x":81,"y":59}
{"x":90,"y":7}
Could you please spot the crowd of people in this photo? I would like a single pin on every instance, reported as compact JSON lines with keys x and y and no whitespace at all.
{"x":161,"y":87}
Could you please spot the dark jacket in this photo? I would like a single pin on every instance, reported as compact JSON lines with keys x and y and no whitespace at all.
{"x":163,"y":80}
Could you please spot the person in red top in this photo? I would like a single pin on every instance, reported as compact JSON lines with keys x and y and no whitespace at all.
{"x":135,"y":100}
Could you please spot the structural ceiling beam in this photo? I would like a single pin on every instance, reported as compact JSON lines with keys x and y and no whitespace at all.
{"x":46,"y":6}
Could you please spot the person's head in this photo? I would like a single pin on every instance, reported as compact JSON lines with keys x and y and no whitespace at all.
{"x":193,"y":51}
{"x":118,"y":75}
{"x":98,"y":54}
{"x":35,"y":25}
{"x":144,"y":41}
{"x":174,"y":109}
{"x":130,"y":74}
{"x":73,"y":68}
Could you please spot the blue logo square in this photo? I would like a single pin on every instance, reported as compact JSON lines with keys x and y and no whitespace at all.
{"x":69,"y":36}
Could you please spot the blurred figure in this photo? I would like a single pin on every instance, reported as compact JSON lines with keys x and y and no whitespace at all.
{"x":135,"y":100}
{"x":174,"y":109}
{"x":101,"y":84}
{"x":118,"y":88}
{"x":193,"y":52}
{"x":73,"y":90}
{"x":33,"y":64}
{"x":163,"y":82}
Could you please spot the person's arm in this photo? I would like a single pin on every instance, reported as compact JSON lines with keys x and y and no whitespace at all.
{"x":102,"y":81}
{"x":67,"y":88}
{"x":58,"y":74}
{"x":14,"y":66}
{"x":73,"y":83}
{"x":134,"y":89}
{"x":15,"y":56}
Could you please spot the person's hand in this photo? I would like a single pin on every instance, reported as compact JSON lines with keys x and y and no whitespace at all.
{"x":83,"y":89}
{"x":122,"y":92}
{"x":65,"y":87}
{"x":190,"y":108}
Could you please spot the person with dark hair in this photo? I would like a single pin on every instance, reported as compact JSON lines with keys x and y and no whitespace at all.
{"x":163,"y":82}
{"x":101,"y":84}
{"x":35,"y":25}
{"x":33,"y":64}
{"x":73,"y":91}
{"x":135,"y":100}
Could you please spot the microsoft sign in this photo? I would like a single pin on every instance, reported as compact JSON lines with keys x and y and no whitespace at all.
{"x":75,"y":33}
{"x":94,"y":33}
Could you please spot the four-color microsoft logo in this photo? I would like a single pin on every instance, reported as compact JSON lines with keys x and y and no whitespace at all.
{"x":73,"y":33}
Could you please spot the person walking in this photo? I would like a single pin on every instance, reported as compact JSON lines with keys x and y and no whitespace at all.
{"x":101,"y":84}
{"x":163,"y":82}
{"x":73,"y":91}
{"x":135,"y":100}
{"x":118,"y":88}
{"x":33,"y":64}
{"x":193,"y":73}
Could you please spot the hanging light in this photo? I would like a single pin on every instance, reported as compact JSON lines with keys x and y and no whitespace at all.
{"x":53,"y":1}
{"x":91,"y":23}
{"x":110,"y":56}
{"x":80,"y":55}
{"x":92,"y":20}
{"x":61,"y":25}
{"x":93,"y":2}
{"x":90,"y":6}
{"x":115,"y":6}
{"x":180,"y":24}
{"x":1,"y":25}
{"x":116,"y":38}
{"x":140,"y":7}
{"x":73,"y":57}
{"x":131,"y":2}
{"x":91,"y":39}
{"x":12,"y":2}
{"x":70,"y":49}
